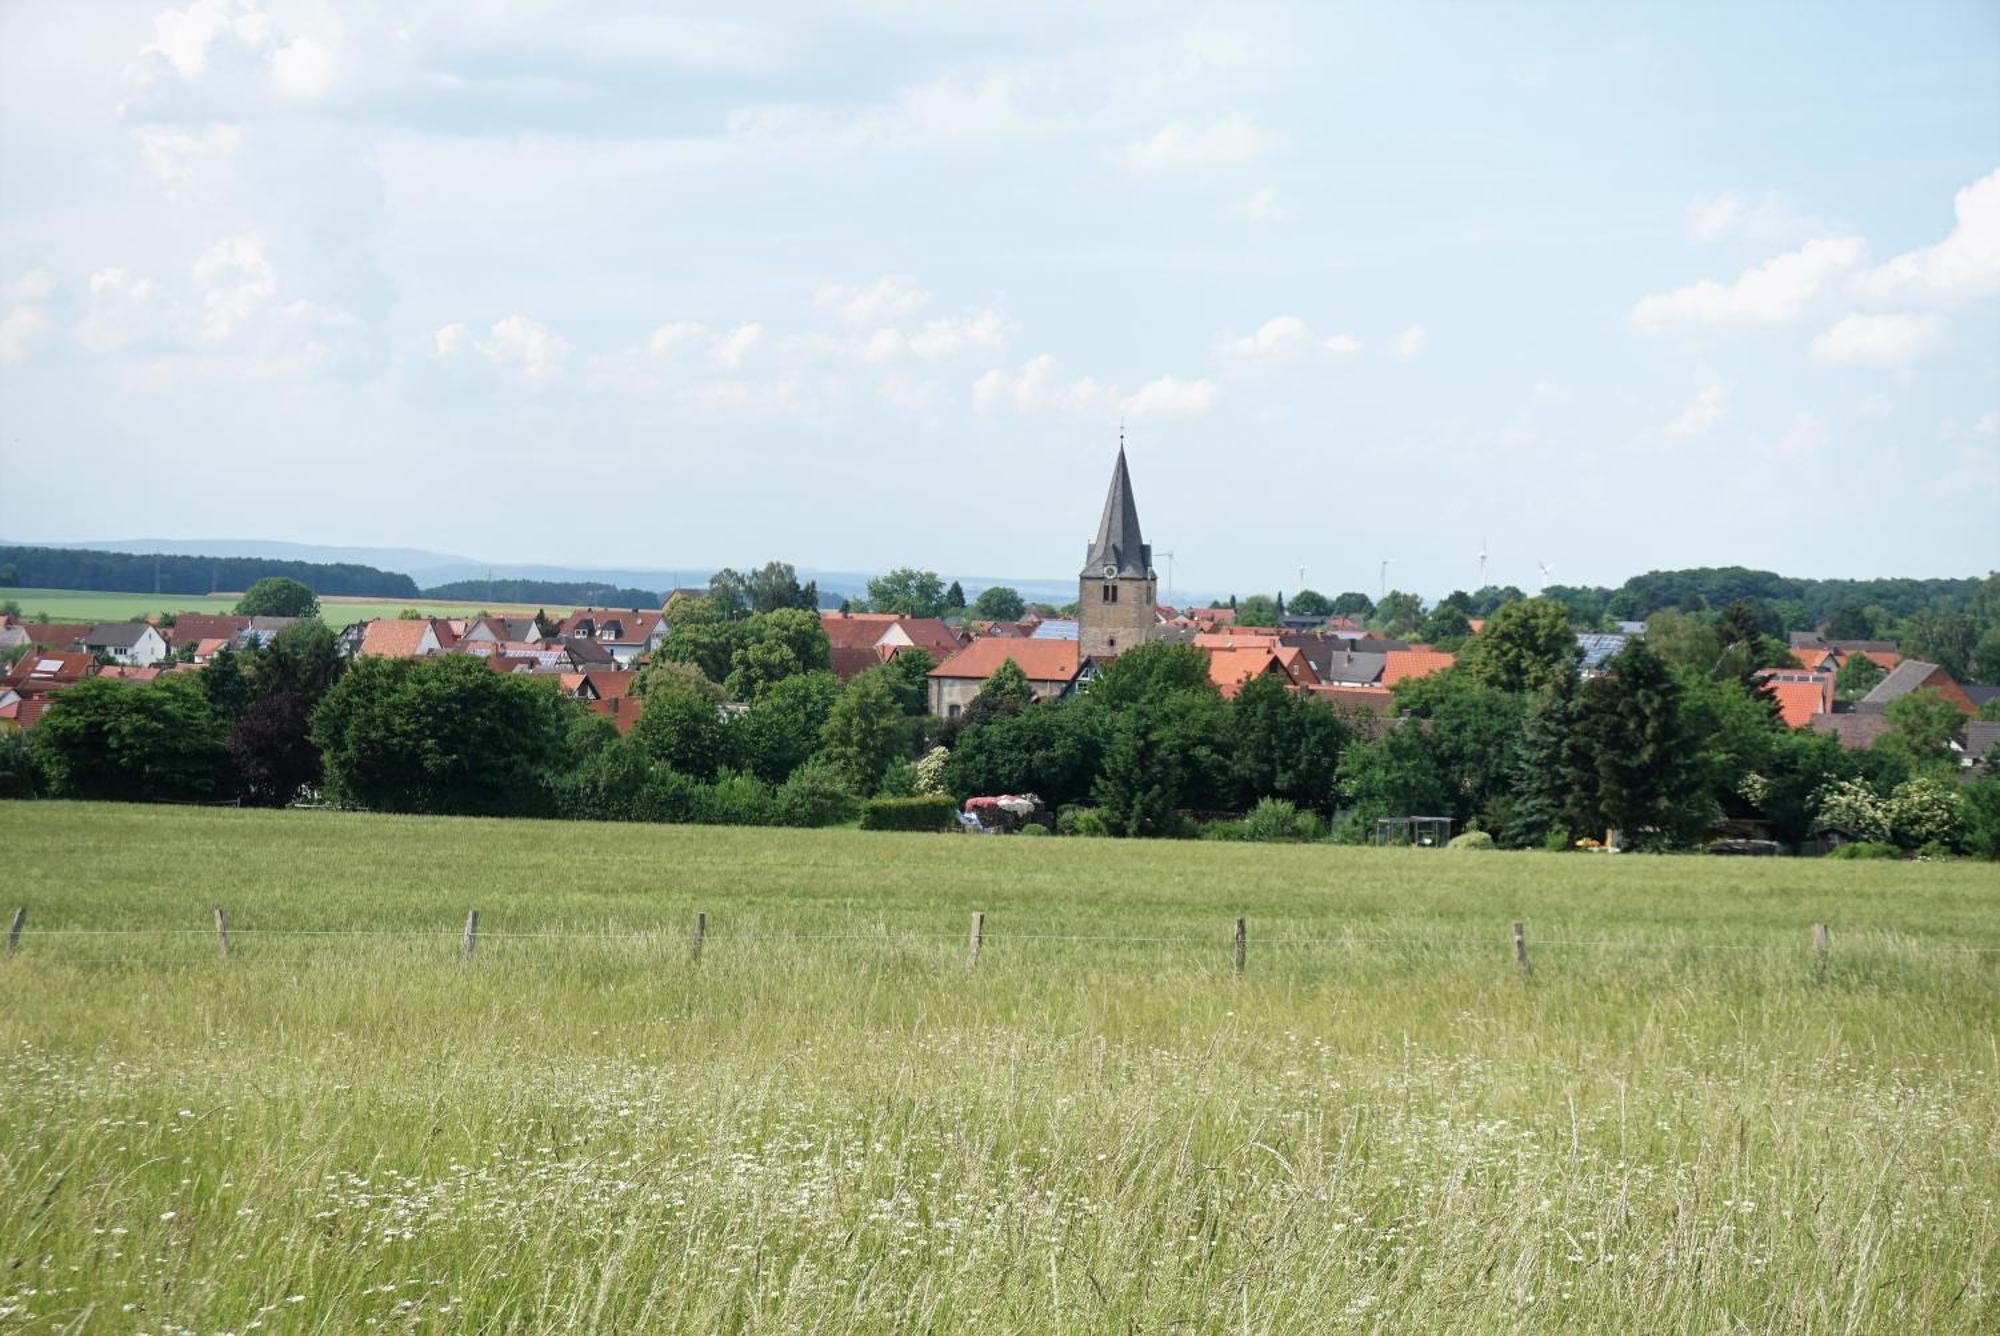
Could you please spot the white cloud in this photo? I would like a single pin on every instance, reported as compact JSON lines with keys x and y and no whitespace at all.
{"x":1776,"y":292}
{"x":1725,"y":217}
{"x":175,"y":157}
{"x":1260,"y":206}
{"x":1987,"y":425}
{"x":1037,"y":388}
{"x":1877,"y":340}
{"x":302,"y":69}
{"x":1549,"y":393}
{"x":234,"y":281}
{"x":1409,"y":345}
{"x":729,"y":349}
{"x":1807,"y":435}
{"x":676,"y":337}
{"x":185,"y":38}
{"x":1965,"y":265}
{"x":24,"y":315}
{"x":1708,"y":407}
{"x":1285,"y":339}
{"x":517,"y":343}
{"x":985,"y":330}
{"x":889,"y":298}
{"x":1185,"y":147}
{"x":125,"y":309}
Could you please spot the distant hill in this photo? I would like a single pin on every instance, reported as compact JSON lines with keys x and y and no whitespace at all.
{"x":546,"y":593}
{"x":174,"y":573}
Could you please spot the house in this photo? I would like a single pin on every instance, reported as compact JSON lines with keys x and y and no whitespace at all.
{"x":622,"y":711}
{"x":1053,"y":669}
{"x":1595,"y":650}
{"x":43,"y":635}
{"x":858,"y":641}
{"x":500,"y":630}
{"x":676,"y":595}
{"x":399,"y":638}
{"x":47,"y":671}
{"x":126,"y":673}
{"x":1230,"y":668}
{"x":1344,"y":667}
{"x":1856,"y":732}
{"x":1398,"y":664}
{"x":1915,"y":675}
{"x":1800,"y":694}
{"x":195,"y":627}
{"x":1375,"y":700}
{"x":205,"y":650}
{"x":137,"y":643}
{"x":1982,"y":744}
{"x":583,"y":654}
{"x":262,"y":631}
{"x":626,"y":632}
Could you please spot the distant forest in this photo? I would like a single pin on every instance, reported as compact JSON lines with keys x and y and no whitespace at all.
{"x":546,"y":593}
{"x":133,"y":573}
{"x":1798,"y":603}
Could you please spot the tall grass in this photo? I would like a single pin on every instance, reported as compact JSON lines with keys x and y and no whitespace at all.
{"x":829,"y":1124}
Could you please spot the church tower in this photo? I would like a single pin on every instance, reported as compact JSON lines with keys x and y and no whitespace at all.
{"x":1118,"y":587}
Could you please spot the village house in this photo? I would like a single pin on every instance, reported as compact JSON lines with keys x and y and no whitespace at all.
{"x":1915,"y":675}
{"x":399,"y":638}
{"x":137,"y":643}
{"x":1053,"y":668}
{"x":626,"y":632}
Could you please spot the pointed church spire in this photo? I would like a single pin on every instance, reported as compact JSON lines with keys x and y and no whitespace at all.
{"x":1119,"y":546}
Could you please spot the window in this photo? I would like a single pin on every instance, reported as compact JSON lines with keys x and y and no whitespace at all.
{"x":951,"y":711}
{"x":1108,"y":594}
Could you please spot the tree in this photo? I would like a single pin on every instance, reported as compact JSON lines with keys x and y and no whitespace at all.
{"x":1926,"y":811}
{"x":302,"y":660}
{"x":912,"y":592}
{"x":729,"y":594}
{"x":1311,"y":603}
{"x":1642,"y":769}
{"x":1395,"y":775}
{"x":908,"y":677}
{"x":756,"y":665}
{"x":20,"y":775}
{"x":1852,"y":806}
{"x":1446,"y":626}
{"x":108,"y":739}
{"x":1006,"y":691}
{"x":1352,"y":604}
{"x":1257,"y":610}
{"x":1857,"y":677}
{"x":1053,"y":751}
{"x":1399,"y":613}
{"x":775,"y":585}
{"x":863,"y":732}
{"x":1283,"y":745}
{"x":954,"y":597}
{"x":1921,"y":727}
{"x":277,"y":596}
{"x":1160,"y":757}
{"x":1943,"y":638}
{"x":443,"y":735}
{"x":272,"y":749}
{"x":1522,"y":646}
{"x":1747,"y":645}
{"x":1985,"y":664}
{"x":998,"y":603}
{"x":1982,"y":818}
{"x":1550,"y":795}
{"x":781,"y":729}
{"x":226,"y":684}
{"x":684,"y":729}
{"x":669,"y":674}
{"x":1849,"y":623}
{"x":1151,"y":672}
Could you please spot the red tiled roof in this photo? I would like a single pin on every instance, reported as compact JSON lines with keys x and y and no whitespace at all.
{"x":1229,"y":669}
{"x":609,"y":684}
{"x":395,"y":637}
{"x":53,"y":635}
{"x":199,"y":626}
{"x":622,"y":711}
{"x":128,"y":673}
{"x":1800,"y":696}
{"x":1041,"y":660}
{"x":850,"y":661}
{"x":1398,"y":664}
{"x":636,"y":623}
{"x":41,"y":668}
{"x":1375,"y":699}
{"x":1245,"y":638}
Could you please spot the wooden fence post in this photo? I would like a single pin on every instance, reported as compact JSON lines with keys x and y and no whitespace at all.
{"x":974,"y":937}
{"x":222,"y":932}
{"x":1242,"y":944}
{"x":700,"y":932}
{"x":1820,"y":947}
{"x":1521,"y":949}
{"x":471,"y":934}
{"x":14,"y":930}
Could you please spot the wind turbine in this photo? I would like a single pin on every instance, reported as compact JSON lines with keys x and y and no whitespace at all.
{"x":1170,"y":577}
{"x":1482,"y":564}
{"x":1547,"y":570}
{"x":1384,"y":578}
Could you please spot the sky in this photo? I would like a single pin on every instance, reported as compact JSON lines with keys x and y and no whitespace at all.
{"x":1593,"y":288}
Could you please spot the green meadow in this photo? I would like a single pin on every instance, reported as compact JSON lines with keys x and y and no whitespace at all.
{"x":90,"y":605}
{"x":829,"y":1122}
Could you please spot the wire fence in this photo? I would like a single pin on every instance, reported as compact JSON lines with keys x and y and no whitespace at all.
{"x":1235,"y":939}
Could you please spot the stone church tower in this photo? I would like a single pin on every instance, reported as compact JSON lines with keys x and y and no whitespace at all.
{"x":1118,"y":587}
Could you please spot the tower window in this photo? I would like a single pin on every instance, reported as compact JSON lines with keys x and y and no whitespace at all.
{"x":1108,"y":594}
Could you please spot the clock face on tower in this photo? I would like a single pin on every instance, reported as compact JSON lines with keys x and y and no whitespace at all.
{"x":1111,"y":572}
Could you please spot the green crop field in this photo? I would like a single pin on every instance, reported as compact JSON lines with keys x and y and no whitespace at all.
{"x":829,"y":1123}
{"x":90,"y":605}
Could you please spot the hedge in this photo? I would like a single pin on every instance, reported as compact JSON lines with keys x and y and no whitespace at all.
{"x":929,"y":811}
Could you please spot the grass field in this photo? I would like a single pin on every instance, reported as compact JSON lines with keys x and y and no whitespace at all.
{"x":828,"y":1123}
{"x":90,"y":605}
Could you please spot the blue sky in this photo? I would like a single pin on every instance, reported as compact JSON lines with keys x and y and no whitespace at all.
{"x":1606,"y":287}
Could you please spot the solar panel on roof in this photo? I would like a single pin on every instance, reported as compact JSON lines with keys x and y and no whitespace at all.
{"x":1055,"y":629}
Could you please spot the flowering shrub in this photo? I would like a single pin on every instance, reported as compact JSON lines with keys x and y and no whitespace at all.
{"x":1852,"y":805}
{"x":1926,"y":811}
{"x":930,"y":770}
